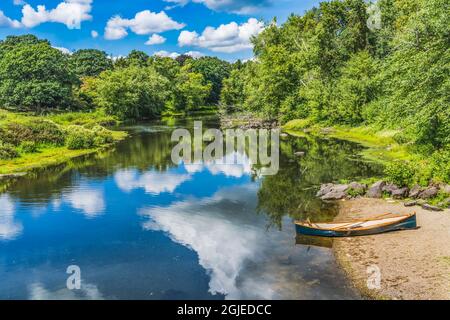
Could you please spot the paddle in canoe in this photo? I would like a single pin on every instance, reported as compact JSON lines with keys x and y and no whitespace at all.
{"x":379,"y":224}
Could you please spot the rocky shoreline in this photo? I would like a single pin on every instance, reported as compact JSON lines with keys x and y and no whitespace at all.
{"x":246,"y":121}
{"x":417,"y":195}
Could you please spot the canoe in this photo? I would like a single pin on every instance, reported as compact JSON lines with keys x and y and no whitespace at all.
{"x":379,"y":224}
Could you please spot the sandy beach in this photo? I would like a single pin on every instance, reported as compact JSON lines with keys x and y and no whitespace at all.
{"x":414,"y":264}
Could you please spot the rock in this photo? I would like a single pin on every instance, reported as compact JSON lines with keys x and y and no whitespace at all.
{"x":376,"y":190}
{"x":411,"y":203}
{"x":429,"y":193}
{"x":340,"y":187}
{"x":415,"y":191}
{"x":357,"y":186}
{"x":429,"y":207}
{"x":445,"y":203}
{"x":335,"y":195}
{"x":445,"y":188}
{"x":324,"y":189}
{"x":299,"y":154}
{"x":389,"y":187}
{"x":400,"y":193}
{"x":333,"y":191}
{"x":395,"y":191}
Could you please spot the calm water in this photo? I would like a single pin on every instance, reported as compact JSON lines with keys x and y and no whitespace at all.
{"x":140,"y":227}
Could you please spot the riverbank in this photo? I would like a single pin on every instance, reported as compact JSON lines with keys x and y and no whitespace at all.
{"x":381,"y":145}
{"x":29,"y":139}
{"x":414,"y":264}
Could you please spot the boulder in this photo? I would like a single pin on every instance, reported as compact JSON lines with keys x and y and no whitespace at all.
{"x":334,"y":195}
{"x":445,"y":188}
{"x":415,"y":191}
{"x":376,"y":190}
{"x":324,"y":189}
{"x":429,"y":193}
{"x":400,"y":193}
{"x":389,"y":188}
{"x":411,"y":203}
{"x":333,"y":191}
{"x":340,"y":187}
{"x":445,"y":203}
{"x":359,"y":187}
{"x":429,"y":207}
{"x":299,"y":154}
{"x":395,"y":191}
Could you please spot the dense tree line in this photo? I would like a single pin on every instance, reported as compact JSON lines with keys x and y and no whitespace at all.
{"x":334,"y":65}
{"x":36,"y":77}
{"x":346,"y":62}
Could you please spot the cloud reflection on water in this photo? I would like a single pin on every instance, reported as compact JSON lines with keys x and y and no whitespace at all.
{"x":240,"y":166}
{"x":87,"y":199}
{"x":232,"y":244}
{"x":37,"y":291}
{"x":9,"y":229}
{"x":152,"y":182}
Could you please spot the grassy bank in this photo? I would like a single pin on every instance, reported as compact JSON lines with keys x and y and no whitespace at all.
{"x":28,"y":142}
{"x":405,"y":164}
{"x":380,"y":145}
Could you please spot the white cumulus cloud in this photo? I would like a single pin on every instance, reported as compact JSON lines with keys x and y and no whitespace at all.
{"x":63,"y":50}
{"x":226,"y":38}
{"x":144,"y":22}
{"x":174,"y":55}
{"x":94,"y":34}
{"x":235,"y":6}
{"x":155,"y":39}
{"x":69,"y":12}
{"x":7,"y":22}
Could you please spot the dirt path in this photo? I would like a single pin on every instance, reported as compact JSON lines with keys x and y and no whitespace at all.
{"x":414,"y":264}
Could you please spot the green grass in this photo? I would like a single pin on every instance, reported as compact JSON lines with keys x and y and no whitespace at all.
{"x":380,"y":145}
{"x":297,"y":124}
{"x":49,"y":155}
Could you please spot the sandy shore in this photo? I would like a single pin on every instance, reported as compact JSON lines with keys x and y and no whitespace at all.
{"x":414,"y":264}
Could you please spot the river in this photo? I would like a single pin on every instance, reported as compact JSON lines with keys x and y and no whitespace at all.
{"x":138,"y":226}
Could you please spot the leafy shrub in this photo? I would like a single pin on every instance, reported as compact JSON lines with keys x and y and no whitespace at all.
{"x":102,"y":135}
{"x":7,"y":151}
{"x":400,"y":173}
{"x":28,"y":147}
{"x":46,"y":131}
{"x":14,"y":133}
{"x":440,"y":165}
{"x":79,"y":138}
{"x":37,"y":131}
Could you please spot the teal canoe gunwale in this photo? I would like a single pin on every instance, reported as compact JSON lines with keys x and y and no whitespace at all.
{"x":408,"y":223}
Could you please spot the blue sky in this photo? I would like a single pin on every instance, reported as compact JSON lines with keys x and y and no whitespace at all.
{"x":208,"y":27}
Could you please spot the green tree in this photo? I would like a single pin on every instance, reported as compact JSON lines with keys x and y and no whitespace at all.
{"x":191,"y":90}
{"x":90,"y":62}
{"x":131,"y":93}
{"x":214,"y":71}
{"x":34,"y":76}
